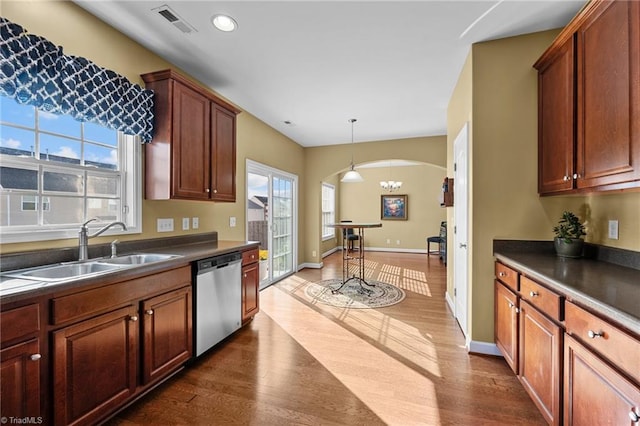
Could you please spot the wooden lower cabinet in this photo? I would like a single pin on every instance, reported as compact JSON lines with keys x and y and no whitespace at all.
{"x":540,"y":361}
{"x":20,"y":379}
{"x":95,"y":366}
{"x":167,"y":333}
{"x":594,"y":393}
{"x":250,"y":284}
{"x":506,"y":324}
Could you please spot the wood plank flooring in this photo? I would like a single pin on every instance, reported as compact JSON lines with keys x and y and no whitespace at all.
{"x":312,"y":364}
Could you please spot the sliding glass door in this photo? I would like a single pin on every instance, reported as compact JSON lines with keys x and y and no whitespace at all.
{"x":271,"y":219}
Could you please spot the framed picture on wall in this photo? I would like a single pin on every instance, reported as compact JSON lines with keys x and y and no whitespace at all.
{"x":393,"y":207}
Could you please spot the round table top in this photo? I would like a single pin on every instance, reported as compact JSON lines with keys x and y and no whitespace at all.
{"x":355,"y":225}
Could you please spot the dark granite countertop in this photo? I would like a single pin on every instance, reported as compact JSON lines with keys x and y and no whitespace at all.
{"x":608,"y":289}
{"x":188,"y":250}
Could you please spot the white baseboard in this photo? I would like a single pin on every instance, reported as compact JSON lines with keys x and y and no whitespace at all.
{"x":310,"y":265}
{"x":449,"y":300}
{"x":484,"y":348}
{"x":333,"y":250}
{"x":396,"y":250}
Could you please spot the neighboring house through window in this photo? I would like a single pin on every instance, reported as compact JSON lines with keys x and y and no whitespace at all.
{"x":328,"y":210}
{"x":56,"y":173}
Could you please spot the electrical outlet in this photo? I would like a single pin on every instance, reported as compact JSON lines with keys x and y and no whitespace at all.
{"x":164,"y":225}
{"x":313,"y":253}
{"x":195,"y":222}
{"x":232,"y":221}
{"x":388,"y":241}
{"x":397,"y":242}
{"x":613,"y":229}
{"x":185,"y":223}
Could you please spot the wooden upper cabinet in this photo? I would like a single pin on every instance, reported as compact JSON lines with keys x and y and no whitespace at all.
{"x":589,"y":102}
{"x":609,"y":95}
{"x":193,"y":152}
{"x":556,"y":140}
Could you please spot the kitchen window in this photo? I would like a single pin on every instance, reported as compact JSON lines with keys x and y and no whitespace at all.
{"x":56,"y":173}
{"x":328,"y":210}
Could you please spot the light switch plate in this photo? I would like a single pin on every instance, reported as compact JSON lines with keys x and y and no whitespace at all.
{"x":165,"y":225}
{"x":195,"y":222}
{"x":613,"y":229}
{"x":185,"y":223}
{"x":232,"y":221}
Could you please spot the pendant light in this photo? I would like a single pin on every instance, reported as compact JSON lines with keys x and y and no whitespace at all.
{"x":352,"y":175}
{"x":390,"y":185}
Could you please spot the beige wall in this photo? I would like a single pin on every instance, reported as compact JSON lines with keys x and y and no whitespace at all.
{"x":360,"y":202}
{"x":66,"y":24}
{"x":503,"y":159}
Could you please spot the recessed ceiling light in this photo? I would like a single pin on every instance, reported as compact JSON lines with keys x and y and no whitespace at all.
{"x":224,"y":23}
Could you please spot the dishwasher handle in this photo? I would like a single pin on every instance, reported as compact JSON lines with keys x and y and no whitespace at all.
{"x":217,"y":262}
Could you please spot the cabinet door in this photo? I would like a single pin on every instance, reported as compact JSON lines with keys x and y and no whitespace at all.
{"x":167,"y":333}
{"x":609,"y":95}
{"x":20,"y":380}
{"x":223,"y":154}
{"x":506,"y":324}
{"x":594,"y":393}
{"x":191,"y":137}
{"x":540,"y":361}
{"x":556,"y":136}
{"x":250,"y":291}
{"x":94,"y":366}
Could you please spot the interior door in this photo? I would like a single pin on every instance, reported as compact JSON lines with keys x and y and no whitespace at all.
{"x":461,"y":221}
{"x":271,"y":219}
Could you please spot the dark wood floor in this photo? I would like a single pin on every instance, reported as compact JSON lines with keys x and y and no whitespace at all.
{"x":312,"y":364}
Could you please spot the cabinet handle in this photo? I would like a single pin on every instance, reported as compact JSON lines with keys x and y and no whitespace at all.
{"x":533,"y":293}
{"x":566,"y":178}
{"x":502,"y":274}
{"x":245,"y":275}
{"x":149,"y":312}
{"x":634,"y":416}
{"x":576,"y":175}
{"x":215,"y":191}
{"x":133,"y":318}
{"x":207,"y":190}
{"x":593,"y":334}
{"x":517,"y":310}
{"x":35,"y":357}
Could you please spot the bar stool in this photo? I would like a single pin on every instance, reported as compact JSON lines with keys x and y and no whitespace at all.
{"x":437,"y":240}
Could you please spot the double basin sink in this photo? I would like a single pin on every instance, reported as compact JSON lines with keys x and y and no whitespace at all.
{"x":82,"y":269}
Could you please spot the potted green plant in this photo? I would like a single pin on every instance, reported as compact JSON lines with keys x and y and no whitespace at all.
{"x":569,"y":232}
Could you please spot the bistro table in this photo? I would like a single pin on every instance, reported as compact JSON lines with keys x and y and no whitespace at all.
{"x":349,"y":260}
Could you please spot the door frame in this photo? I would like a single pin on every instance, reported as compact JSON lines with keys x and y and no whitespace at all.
{"x":260,"y":168}
{"x":461,"y":242}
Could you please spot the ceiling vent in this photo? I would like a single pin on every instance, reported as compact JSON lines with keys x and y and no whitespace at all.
{"x":167,"y":13}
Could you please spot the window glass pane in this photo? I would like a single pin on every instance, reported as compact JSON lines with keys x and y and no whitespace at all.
{"x":63,"y":210}
{"x":97,"y":133}
{"x":63,"y":182}
{"x":13,"y":178}
{"x":99,"y":156}
{"x":11,"y":213}
{"x":61,"y":124}
{"x":13,"y":112}
{"x":64,"y":150}
{"x":103,"y":185}
{"x":103,"y":209}
{"x":29,"y":202}
{"x":17,"y":142}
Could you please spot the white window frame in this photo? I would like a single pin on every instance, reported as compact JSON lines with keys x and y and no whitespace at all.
{"x":129,"y":160}
{"x":328,"y":211}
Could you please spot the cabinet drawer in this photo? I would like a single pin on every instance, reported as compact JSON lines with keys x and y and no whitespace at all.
{"x":542,"y":298}
{"x":250,"y":256}
{"x":614,"y":344}
{"x":507,"y":275}
{"x":19,"y":322}
{"x":103,"y":299}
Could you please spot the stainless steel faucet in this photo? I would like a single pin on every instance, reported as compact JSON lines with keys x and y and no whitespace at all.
{"x":83,"y":237}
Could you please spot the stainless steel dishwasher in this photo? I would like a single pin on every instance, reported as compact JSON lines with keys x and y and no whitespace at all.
{"x":218,"y":299}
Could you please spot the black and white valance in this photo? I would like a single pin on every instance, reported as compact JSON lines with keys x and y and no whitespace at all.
{"x":36,"y":72}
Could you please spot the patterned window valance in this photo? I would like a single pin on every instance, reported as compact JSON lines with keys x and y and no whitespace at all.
{"x":34,"y":71}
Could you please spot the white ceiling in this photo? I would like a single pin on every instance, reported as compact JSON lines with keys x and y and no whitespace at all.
{"x":390,"y":64}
